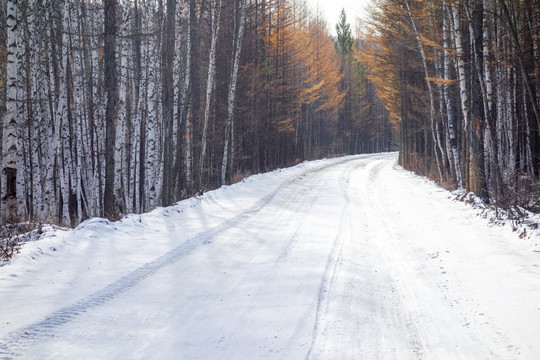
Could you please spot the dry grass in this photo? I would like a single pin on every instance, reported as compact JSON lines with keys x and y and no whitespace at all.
{"x":12,"y":236}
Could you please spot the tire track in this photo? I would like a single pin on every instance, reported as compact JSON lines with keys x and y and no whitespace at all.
{"x":13,"y":344}
{"x":329,"y":278}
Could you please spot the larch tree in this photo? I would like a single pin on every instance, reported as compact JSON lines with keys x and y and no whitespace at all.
{"x":111,"y":107}
{"x":478,"y":61}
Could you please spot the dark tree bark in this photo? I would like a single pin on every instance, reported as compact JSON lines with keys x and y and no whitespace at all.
{"x":168,"y":104}
{"x":111,"y":90}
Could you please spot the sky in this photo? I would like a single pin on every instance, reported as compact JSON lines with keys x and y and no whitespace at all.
{"x":332,"y":8}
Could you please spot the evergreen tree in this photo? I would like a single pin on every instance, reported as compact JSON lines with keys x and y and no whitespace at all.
{"x":344,"y":38}
{"x":106,"y":125}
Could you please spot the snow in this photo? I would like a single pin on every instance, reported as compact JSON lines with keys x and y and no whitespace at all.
{"x":348,"y":258}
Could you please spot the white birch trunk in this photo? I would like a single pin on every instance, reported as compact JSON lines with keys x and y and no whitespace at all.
{"x":430,"y":90}
{"x":74,"y":127}
{"x":62,"y":147}
{"x":528,"y":162}
{"x":10,"y":127}
{"x":82,"y":154}
{"x":185,"y":107}
{"x":30,"y":136}
{"x":59,"y":150}
{"x":492,"y":126}
{"x":507,"y":122}
{"x":510,"y":123}
{"x":483,"y":73}
{"x":121,"y":165}
{"x":446,"y":154}
{"x":44,"y":135}
{"x":449,"y":109}
{"x":487,"y":53}
{"x":232,"y":89}
{"x":464,"y":97}
{"x":51,"y":134}
{"x":215,"y":15}
{"x":153,"y":165}
{"x":86,"y":99}
{"x":151,"y":139}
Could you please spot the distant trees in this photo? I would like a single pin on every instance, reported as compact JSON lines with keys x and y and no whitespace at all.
{"x":462,"y":77}
{"x":110,"y":107}
{"x":363,"y":120}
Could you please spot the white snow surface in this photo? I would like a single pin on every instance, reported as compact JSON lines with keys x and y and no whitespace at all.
{"x":348,"y":258}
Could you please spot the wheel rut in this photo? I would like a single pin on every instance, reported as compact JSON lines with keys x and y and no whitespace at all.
{"x":14,"y":343}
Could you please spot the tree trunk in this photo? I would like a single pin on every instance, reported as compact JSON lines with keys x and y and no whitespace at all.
{"x":111,"y":90}
{"x":237,"y":48}
{"x":449,"y":109}
{"x":168,"y":104}
{"x":430,"y":90}
{"x":520,"y":56}
{"x":215,"y":15}
{"x":10,"y":127}
{"x":462,"y":76}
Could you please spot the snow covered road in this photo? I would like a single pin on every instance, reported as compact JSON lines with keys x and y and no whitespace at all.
{"x":344,"y":258}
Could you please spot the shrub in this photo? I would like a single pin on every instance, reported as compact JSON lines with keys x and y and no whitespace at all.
{"x":12,"y":236}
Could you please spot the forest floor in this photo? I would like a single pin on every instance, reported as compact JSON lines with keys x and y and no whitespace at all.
{"x":348,"y":258}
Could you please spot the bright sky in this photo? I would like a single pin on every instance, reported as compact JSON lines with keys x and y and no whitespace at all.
{"x":332,"y":8}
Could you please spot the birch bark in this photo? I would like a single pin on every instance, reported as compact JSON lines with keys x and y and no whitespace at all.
{"x":232,"y":89}
{"x":523,"y":70}
{"x":484,"y":79}
{"x":430,"y":90}
{"x":10,"y":126}
{"x":215,"y":15}
{"x":463,"y":92}
{"x":449,"y":109}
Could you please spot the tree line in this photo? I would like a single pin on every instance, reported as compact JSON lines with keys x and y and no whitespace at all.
{"x":111,"y":107}
{"x":462,"y":80}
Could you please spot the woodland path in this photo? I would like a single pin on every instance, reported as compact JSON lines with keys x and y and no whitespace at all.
{"x":350,"y":259}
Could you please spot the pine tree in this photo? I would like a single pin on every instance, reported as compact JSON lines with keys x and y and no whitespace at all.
{"x":344,"y":36}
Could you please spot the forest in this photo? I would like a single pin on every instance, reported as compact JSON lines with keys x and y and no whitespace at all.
{"x":461,"y":78}
{"x":111,"y":107}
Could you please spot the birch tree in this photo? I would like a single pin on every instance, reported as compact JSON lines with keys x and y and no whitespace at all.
{"x":237,"y":48}
{"x":448,"y":100}
{"x":491,"y":48}
{"x":215,"y":19}
{"x":106,"y":113}
{"x":429,"y":87}
{"x":10,"y":127}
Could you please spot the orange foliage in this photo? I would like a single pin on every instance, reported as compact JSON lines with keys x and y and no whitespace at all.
{"x":316,"y":53}
{"x":440,"y":81}
{"x":306,"y":64}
